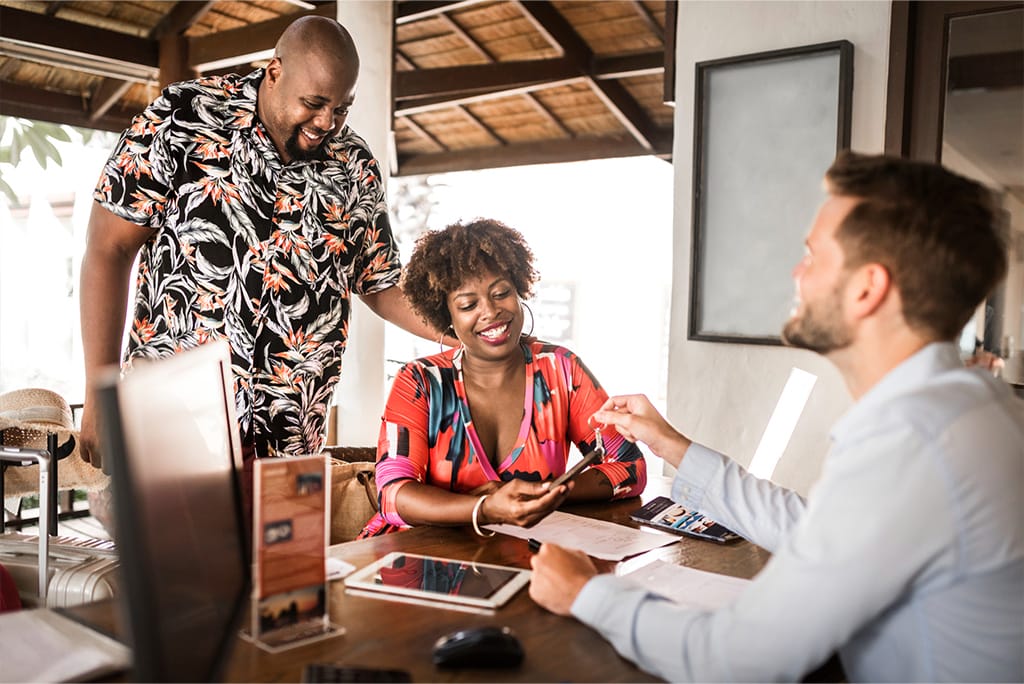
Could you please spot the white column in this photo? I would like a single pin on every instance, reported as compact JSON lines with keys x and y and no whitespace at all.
{"x":360,"y":394}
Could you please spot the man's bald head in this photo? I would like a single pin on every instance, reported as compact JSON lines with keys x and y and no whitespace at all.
{"x":309,"y":86}
{"x":318,"y":38}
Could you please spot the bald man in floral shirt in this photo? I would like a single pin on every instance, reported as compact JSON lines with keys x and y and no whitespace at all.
{"x":258,"y":213}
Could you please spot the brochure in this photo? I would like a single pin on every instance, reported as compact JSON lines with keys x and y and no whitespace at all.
{"x":665,"y":514}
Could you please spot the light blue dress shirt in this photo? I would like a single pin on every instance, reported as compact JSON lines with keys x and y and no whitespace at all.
{"x":907,"y":557}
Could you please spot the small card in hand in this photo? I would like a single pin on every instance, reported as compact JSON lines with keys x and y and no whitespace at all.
{"x":665,"y":514}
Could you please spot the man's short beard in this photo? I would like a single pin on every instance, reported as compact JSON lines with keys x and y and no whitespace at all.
{"x":299,"y":154}
{"x":802,"y":335}
{"x":820,"y":329}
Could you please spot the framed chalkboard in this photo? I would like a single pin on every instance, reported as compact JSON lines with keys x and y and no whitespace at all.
{"x":766,"y":127}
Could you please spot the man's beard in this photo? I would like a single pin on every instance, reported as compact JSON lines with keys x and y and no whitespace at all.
{"x":299,"y":154}
{"x":820,"y":328}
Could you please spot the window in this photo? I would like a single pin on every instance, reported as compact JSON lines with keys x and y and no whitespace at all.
{"x":42,"y":236}
{"x":601,"y":233}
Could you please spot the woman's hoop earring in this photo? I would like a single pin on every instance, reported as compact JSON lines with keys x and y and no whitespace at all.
{"x":440,"y":340}
{"x":533,"y":320}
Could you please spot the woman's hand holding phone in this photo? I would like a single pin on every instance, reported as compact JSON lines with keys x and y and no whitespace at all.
{"x":592,"y":457}
{"x":522,"y":503}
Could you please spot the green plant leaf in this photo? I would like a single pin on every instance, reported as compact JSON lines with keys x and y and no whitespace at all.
{"x":49,"y":130}
{"x":44,"y":150}
{"x":8,"y":191}
{"x":16,"y":146}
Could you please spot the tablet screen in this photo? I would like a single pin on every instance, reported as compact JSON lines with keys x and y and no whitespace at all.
{"x":438,"y":581}
{"x":442,"y":576}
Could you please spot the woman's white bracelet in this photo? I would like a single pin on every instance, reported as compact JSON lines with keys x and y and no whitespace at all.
{"x":476,"y":513}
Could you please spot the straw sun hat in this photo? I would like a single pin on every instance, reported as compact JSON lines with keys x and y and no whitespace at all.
{"x":27,"y":416}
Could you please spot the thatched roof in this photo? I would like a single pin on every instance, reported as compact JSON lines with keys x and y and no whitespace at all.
{"x":477,"y":83}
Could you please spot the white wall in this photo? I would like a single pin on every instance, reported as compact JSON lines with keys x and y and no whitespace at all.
{"x":722,"y":395}
{"x":360,"y":394}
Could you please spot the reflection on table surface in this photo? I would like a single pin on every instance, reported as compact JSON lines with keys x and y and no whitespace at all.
{"x":387,"y":634}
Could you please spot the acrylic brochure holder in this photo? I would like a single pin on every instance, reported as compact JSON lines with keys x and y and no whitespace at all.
{"x":290,"y":536}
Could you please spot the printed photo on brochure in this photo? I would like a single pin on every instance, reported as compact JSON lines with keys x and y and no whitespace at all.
{"x":665,"y":514}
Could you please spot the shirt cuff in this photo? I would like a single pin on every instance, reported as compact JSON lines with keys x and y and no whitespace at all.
{"x":700,"y":466}
{"x":155,"y":220}
{"x":388,"y":510}
{"x":600,"y":601}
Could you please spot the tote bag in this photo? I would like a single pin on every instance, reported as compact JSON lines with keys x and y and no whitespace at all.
{"x":353,"y":498}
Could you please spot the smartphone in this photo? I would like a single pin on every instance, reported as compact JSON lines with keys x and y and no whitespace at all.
{"x":330,"y":672}
{"x":594,"y":456}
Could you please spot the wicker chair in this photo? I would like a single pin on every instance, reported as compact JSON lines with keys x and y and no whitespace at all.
{"x":352,"y":454}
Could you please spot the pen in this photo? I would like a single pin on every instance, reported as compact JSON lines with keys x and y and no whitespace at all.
{"x":533,"y":544}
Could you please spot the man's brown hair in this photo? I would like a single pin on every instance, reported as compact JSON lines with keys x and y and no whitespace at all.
{"x":939,"y":235}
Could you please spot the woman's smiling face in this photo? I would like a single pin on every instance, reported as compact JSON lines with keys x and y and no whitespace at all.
{"x":486,"y":315}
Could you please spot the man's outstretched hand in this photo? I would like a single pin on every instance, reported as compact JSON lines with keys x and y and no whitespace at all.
{"x":558,"y":577}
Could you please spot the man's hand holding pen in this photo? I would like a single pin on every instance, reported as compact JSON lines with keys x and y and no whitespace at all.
{"x":558,"y":576}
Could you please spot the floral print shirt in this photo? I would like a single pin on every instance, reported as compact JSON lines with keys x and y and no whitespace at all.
{"x":427,"y":434}
{"x":248,"y":249}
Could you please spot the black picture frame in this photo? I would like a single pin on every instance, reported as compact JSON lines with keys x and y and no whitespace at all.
{"x":766,"y":127}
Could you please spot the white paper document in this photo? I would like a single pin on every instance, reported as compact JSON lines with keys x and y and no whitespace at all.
{"x":597,"y":538}
{"x":43,"y":646}
{"x":686,"y":586}
{"x":337,"y":568}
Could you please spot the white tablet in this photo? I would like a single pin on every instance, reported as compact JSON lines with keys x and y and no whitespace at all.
{"x":443,"y":580}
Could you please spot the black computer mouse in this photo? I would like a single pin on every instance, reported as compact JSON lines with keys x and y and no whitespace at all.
{"x":489,"y":646}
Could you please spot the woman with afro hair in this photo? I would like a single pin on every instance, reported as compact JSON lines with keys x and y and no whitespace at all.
{"x":474,"y":435}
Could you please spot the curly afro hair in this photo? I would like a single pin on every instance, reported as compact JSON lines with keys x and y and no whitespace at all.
{"x":445,"y":259}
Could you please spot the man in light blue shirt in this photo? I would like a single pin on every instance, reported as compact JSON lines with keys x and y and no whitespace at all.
{"x":908,"y":555}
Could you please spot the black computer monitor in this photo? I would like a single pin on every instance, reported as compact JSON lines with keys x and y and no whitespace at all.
{"x":170,"y":434}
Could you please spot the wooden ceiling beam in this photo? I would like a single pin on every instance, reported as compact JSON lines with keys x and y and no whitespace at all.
{"x":549,"y":115}
{"x":628,"y":111}
{"x":403,"y":61}
{"x":175,"y":64}
{"x":423,"y":133}
{"x":412,"y":107}
{"x":519,"y":154}
{"x":61,"y":108}
{"x":556,"y":30}
{"x":499,"y":76}
{"x":106,"y":96}
{"x":649,"y":21}
{"x":414,"y":10}
{"x":56,"y":36}
{"x":181,"y":17}
{"x":461,"y":80}
{"x":246,"y":44}
{"x":627,"y":66}
{"x":668,"y":85}
{"x":454,"y":27}
{"x":9,"y":67}
{"x":486,"y":54}
{"x":619,"y":101}
{"x":476,"y":121}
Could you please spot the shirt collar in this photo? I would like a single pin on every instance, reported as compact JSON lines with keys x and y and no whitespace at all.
{"x":931,"y":360}
{"x":244,"y":115}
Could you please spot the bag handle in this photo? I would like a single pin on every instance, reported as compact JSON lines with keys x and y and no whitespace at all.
{"x":367,"y":478}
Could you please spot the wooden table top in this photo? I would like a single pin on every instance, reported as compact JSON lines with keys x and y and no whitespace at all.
{"x":387,"y":634}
